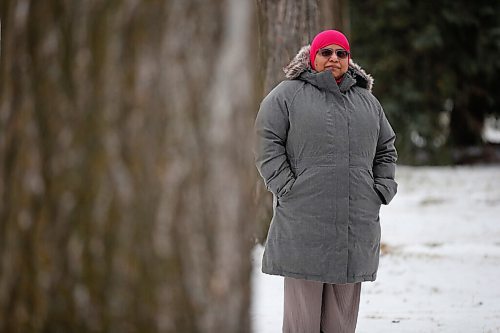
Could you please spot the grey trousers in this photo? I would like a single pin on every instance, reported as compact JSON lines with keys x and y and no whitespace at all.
{"x":314,"y":307}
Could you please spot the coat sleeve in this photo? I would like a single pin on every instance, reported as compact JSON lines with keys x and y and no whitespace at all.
{"x":384,"y":164}
{"x":271,"y":129}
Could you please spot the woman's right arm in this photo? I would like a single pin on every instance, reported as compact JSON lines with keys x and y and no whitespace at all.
{"x":271,"y":127}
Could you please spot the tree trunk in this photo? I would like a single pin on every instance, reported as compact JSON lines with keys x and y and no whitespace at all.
{"x":125,"y":165}
{"x":335,"y":14}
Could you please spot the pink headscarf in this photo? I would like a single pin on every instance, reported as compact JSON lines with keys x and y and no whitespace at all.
{"x":325,"y":38}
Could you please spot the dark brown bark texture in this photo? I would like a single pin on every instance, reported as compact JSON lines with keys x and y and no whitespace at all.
{"x":125,"y":165}
{"x":335,"y":14}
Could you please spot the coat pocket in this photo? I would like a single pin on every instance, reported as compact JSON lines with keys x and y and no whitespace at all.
{"x":298,"y":178}
{"x":362,"y":193}
{"x":378,"y":195}
{"x":312,"y":197}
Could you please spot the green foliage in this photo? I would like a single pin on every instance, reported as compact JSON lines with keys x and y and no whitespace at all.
{"x":435,"y":65}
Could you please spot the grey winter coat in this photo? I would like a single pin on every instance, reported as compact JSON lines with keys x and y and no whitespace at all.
{"x":326,"y":152}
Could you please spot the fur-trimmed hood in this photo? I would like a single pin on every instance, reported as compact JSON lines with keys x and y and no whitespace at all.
{"x":300,"y":64}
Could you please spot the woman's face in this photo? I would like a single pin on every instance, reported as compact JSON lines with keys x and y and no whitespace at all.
{"x":333,"y":62}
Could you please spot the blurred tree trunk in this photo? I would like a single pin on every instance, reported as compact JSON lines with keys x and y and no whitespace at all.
{"x":284,"y":27}
{"x":125,"y":165}
{"x":335,"y":14}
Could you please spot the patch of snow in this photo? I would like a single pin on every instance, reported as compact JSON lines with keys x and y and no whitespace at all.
{"x":491,"y":130}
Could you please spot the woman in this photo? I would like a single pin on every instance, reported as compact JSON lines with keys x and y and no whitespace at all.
{"x":326,"y":152}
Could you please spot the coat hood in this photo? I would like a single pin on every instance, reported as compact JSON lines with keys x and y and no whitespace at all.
{"x":300,"y":64}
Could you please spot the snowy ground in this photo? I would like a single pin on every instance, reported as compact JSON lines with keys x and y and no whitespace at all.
{"x":440,"y":264}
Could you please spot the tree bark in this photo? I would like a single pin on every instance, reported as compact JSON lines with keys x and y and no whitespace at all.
{"x":335,"y":14}
{"x":125,"y":165}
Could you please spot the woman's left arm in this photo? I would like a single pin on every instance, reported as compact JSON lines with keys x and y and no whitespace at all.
{"x":384,"y":163}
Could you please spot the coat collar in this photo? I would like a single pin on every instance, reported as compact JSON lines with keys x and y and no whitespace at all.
{"x":299,"y":68}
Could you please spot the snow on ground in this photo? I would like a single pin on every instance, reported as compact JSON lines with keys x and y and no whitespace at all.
{"x":440,"y":264}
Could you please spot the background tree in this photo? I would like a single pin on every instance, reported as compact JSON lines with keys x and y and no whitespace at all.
{"x":125,"y":165}
{"x":435,"y":67}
